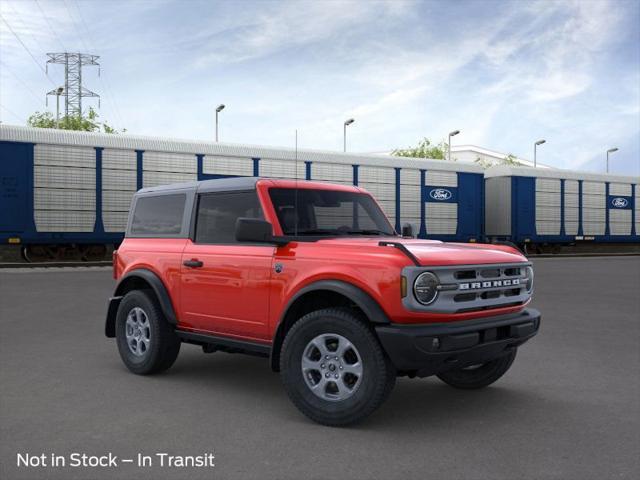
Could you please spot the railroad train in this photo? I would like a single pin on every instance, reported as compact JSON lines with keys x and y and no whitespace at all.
{"x":66,"y":194}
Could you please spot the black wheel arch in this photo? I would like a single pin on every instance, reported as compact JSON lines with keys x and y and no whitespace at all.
{"x":333,"y":293}
{"x":139,"y":279}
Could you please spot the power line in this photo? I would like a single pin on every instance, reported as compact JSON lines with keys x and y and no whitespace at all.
{"x":12,"y":113}
{"x":46,"y":18}
{"x":32,"y":92}
{"x":75,"y":27}
{"x":27,"y":49}
{"x":105,"y":82}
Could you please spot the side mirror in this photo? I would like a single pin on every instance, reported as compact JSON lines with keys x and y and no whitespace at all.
{"x":254,"y":230}
{"x":407,"y":230}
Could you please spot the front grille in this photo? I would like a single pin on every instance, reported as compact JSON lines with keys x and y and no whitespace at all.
{"x":474,"y":287}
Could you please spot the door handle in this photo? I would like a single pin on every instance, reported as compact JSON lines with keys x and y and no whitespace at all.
{"x":193,"y":263}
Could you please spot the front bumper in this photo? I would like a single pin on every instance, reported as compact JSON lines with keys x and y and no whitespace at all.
{"x":425,"y":350}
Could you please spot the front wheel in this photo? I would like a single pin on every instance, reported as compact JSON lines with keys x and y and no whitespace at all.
{"x":481,"y":375}
{"x":146,"y":342}
{"x":333,"y":367}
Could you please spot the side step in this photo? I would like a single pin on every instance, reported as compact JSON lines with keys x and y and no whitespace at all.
{"x":214,"y":343}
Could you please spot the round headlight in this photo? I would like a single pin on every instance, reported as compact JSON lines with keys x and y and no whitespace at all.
{"x":529,"y":279}
{"x":425,"y":288}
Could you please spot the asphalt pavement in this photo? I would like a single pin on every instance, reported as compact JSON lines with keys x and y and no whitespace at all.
{"x":569,"y":408}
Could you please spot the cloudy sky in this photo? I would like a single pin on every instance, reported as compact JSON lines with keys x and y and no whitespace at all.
{"x":504,"y":73}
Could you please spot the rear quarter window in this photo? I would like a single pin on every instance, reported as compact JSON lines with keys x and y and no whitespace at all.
{"x":158,"y":216}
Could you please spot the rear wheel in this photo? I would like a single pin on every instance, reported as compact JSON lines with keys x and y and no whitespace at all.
{"x":146,"y":342}
{"x":333,"y":367}
{"x":481,"y":375}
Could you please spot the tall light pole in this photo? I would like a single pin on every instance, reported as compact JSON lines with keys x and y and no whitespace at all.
{"x":611,"y":150}
{"x":218,"y":110}
{"x":59,"y":91}
{"x":451,"y":134}
{"x":535,"y":151}
{"x":344,"y":134}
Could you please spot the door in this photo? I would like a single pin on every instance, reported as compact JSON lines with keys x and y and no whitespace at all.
{"x":225,"y":284}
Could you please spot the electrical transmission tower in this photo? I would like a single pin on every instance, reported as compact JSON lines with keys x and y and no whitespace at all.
{"x":73,"y":91}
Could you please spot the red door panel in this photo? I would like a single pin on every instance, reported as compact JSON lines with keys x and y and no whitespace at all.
{"x":229,"y":293}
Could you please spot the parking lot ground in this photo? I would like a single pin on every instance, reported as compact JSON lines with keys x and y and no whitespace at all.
{"x":568,"y":409}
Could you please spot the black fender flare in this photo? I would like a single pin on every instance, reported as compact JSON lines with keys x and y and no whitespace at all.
{"x":158,"y":287}
{"x":370,"y":307}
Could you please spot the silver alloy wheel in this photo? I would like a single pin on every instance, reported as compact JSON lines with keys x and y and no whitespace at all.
{"x":138,"y":331}
{"x":332,"y":367}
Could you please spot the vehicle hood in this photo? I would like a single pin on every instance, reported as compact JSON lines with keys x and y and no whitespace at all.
{"x":434,"y":252}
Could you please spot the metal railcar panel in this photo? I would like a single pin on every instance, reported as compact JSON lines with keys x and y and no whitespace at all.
{"x":63,"y":199}
{"x":620,"y":189}
{"x":282,"y":169}
{"x":571,"y":228}
{"x":498,"y":206}
{"x":637,"y":209}
{"x":64,"y":220}
{"x":64,"y":188}
{"x":217,"y":165}
{"x":547,"y":185}
{"x":410,"y":198}
{"x":115,"y":221}
{"x":594,"y":205}
{"x":124,"y":180}
{"x":441,"y":218}
{"x":409,"y":176}
{"x":441,"y":179}
{"x":64,"y":177}
{"x":116,"y":201}
{"x":115,"y":159}
{"x":64,"y":156}
{"x":409,"y":210}
{"x":376,"y":174}
{"x":571,"y":219}
{"x":548,"y":214}
{"x":382,"y":191}
{"x":571,"y":207}
{"x":410,"y":193}
{"x":620,"y":222}
{"x":332,"y":172}
{"x":153,"y":179}
{"x":170,"y":162}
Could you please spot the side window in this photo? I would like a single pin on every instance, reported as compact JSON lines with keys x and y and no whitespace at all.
{"x":218,"y":212}
{"x":159,"y":215}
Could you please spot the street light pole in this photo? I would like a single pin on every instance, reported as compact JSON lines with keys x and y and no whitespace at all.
{"x":611,"y":150}
{"x":344,"y":133}
{"x":218,"y":110}
{"x":451,"y":134}
{"x":58,"y":93}
{"x":535,"y":146}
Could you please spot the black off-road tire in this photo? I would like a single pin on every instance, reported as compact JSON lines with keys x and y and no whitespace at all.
{"x":378,"y":377}
{"x":480,"y":376}
{"x":164,"y":344}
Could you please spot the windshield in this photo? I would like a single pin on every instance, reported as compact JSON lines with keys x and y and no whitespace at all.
{"x":328,"y":212}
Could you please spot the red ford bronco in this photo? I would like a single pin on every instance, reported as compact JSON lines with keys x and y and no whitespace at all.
{"x":313,"y":276}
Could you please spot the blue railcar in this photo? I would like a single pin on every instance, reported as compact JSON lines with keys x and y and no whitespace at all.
{"x":552,"y":206}
{"x":67,"y":189}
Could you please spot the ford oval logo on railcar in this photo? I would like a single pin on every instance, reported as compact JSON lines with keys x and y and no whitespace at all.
{"x":440,"y":194}
{"x":619,"y":202}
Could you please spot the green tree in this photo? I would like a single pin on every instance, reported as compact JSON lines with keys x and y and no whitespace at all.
{"x":424,"y":149}
{"x":510,"y":160}
{"x":88,"y":123}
